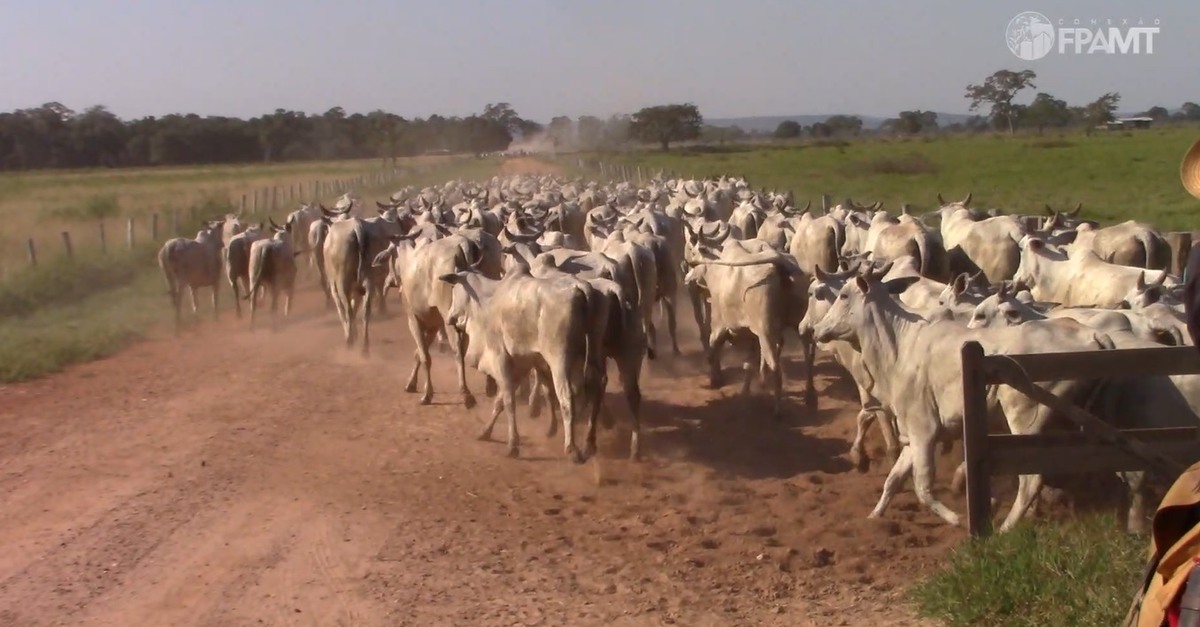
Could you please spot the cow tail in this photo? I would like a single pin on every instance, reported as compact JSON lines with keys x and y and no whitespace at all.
{"x":839,"y":240}
{"x":580,"y":315}
{"x":165,"y":262}
{"x":364,"y":251}
{"x":922,"y":256}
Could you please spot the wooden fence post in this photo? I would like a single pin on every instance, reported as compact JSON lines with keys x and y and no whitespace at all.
{"x":103,"y":239}
{"x":32,"y":252}
{"x":254,"y":207}
{"x":66,"y":238}
{"x":975,"y":441}
{"x":242,"y":207}
{"x":129,"y":233}
{"x":175,"y":222}
{"x":154,"y":226}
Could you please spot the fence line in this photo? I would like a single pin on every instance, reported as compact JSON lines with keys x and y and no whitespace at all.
{"x":259,"y":202}
{"x":1094,"y":446}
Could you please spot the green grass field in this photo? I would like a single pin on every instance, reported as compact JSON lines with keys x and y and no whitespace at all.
{"x":1116,"y":175}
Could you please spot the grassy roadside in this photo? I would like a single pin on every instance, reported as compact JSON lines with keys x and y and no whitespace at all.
{"x":1074,"y":572}
{"x":69,"y":311}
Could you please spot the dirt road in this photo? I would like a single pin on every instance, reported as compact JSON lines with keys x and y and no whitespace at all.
{"x":231,"y":478}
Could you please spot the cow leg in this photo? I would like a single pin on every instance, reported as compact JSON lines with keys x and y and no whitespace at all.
{"x":858,"y":453}
{"x":237,"y":304}
{"x":668,"y":312}
{"x":253,"y":295}
{"x":366,"y":323}
{"x":489,"y":386}
{"x":1028,"y":487}
{"x":895,"y":478}
{"x":771,"y":351}
{"x":629,"y":375}
{"x":424,"y":362}
{"x":1135,"y":521}
{"x":560,"y":374}
{"x":216,"y":300}
{"x":497,"y":408}
{"x":547,"y":394}
{"x":754,"y":356}
{"x":698,"y":311}
{"x":809,"y":348}
{"x":460,"y":352}
{"x":509,"y":397}
{"x":594,"y":401}
{"x":414,"y":327}
{"x":274,"y":308}
{"x":195,"y":309}
{"x":537,"y":395}
{"x":890,"y":431}
{"x":959,"y":482}
{"x":923,"y":475}
{"x":715,"y":342}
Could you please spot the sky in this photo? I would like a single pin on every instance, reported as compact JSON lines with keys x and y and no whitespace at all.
{"x":564,"y":57}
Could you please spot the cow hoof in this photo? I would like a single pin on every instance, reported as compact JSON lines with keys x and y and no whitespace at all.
{"x":513,"y":452}
{"x":427,"y":399}
{"x":469,"y":400}
{"x":860,"y":461}
{"x":635,"y":457}
{"x":576,"y":455}
{"x":676,"y":352}
{"x":810,"y":400}
{"x":485,"y":435}
{"x":411,"y":388}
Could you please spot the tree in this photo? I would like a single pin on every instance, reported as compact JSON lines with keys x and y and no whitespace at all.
{"x":1046,"y":110}
{"x":844,"y":124}
{"x":590,"y":131}
{"x":1101,"y":110}
{"x":560,"y":130}
{"x":788,"y":129}
{"x":666,"y":123}
{"x":999,"y":90}
{"x":913,"y":122}
{"x":1190,"y":111}
{"x":820,"y":129}
{"x":1158,"y":113}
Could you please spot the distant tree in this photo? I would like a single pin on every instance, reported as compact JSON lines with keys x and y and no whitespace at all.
{"x":788,"y":129}
{"x":721,"y":134}
{"x":913,"y":122}
{"x":999,"y":90}
{"x":1157,"y":113}
{"x":1189,"y":111}
{"x":666,"y":123}
{"x":820,"y":129}
{"x":1046,"y":110}
{"x":844,"y":124}
{"x":590,"y":131}
{"x":560,"y":130}
{"x":1101,"y":110}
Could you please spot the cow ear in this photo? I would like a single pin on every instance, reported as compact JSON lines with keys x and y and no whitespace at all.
{"x":449,"y":278}
{"x":863,"y":285}
{"x":898,"y":286}
{"x":1036,"y":244}
{"x":1141,"y":282}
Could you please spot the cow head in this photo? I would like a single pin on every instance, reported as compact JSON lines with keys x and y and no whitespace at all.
{"x":1002,"y":309}
{"x":1143,"y":293}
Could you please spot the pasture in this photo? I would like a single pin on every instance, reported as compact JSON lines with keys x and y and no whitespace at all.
{"x":349,"y":503}
{"x":1117,"y":176}
{"x":73,"y":310}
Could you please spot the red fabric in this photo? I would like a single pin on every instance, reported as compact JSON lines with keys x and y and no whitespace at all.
{"x":1173,"y":613}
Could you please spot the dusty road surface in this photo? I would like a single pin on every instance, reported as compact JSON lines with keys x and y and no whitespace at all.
{"x":231,"y":478}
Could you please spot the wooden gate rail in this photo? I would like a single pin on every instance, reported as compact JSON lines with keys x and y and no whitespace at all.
{"x":1096,"y":447}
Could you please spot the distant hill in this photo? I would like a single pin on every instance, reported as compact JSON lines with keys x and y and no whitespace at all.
{"x":767,"y":123}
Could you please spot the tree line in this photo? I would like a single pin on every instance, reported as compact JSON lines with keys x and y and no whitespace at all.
{"x":54,"y":136}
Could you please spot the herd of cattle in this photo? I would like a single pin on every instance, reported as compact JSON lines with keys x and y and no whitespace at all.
{"x":540,"y":281}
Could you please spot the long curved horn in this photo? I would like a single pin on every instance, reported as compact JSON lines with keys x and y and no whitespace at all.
{"x":967,"y":201}
{"x":941,"y":201}
{"x":520,"y":237}
{"x":1078,"y":208}
{"x":273,"y":225}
